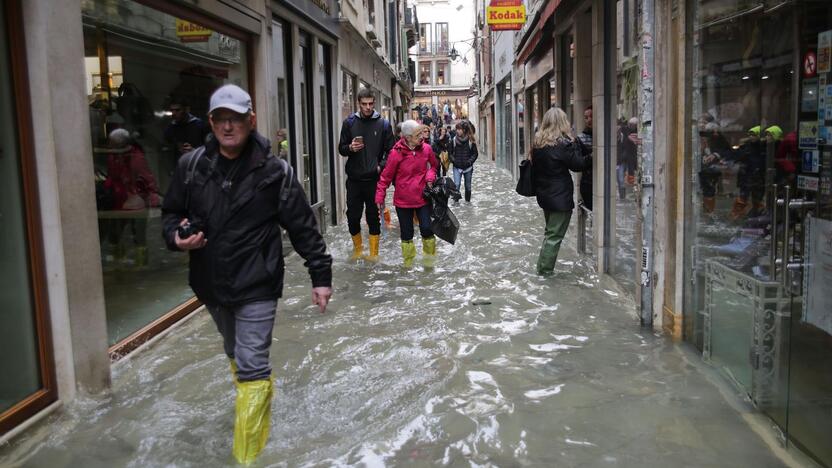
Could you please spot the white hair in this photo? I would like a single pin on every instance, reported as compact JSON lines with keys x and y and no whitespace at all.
{"x":119,"y":138}
{"x":409,"y":127}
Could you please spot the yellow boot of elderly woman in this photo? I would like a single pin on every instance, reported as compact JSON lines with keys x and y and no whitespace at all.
{"x":429,"y":251}
{"x":408,"y":253}
{"x":253,"y":417}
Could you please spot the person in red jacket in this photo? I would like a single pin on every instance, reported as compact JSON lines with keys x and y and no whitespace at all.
{"x":411,"y":165}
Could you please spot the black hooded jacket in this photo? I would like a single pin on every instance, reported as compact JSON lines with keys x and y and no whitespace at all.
{"x":243,"y":259}
{"x":550,"y":171}
{"x":378,"y":141}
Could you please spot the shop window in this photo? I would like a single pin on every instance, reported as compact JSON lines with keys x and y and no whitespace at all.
{"x":521,"y":137}
{"x":327,"y":152}
{"x":307,"y":175}
{"x":348,"y":93}
{"x":27,"y":382}
{"x":759,"y":87}
{"x":282,"y":125}
{"x":627,"y":147}
{"x":149,"y":78}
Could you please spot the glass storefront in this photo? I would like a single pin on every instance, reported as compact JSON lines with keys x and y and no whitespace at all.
{"x":626,"y":154}
{"x":348,"y":93}
{"x":521,"y":136}
{"x":23,"y":372}
{"x":760,"y":308}
{"x":327,"y":152}
{"x":149,"y":76}
{"x":307,"y":137}
{"x":283,"y":127}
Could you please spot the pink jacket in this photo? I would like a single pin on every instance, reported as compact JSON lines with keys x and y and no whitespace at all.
{"x":411,"y":169}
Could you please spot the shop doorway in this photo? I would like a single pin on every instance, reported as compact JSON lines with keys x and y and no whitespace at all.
{"x":761,"y":236}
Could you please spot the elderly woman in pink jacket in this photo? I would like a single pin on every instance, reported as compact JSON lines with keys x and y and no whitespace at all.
{"x":411,"y":165}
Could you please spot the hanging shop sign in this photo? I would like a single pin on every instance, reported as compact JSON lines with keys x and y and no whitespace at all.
{"x":506,"y":15}
{"x":192,"y":32}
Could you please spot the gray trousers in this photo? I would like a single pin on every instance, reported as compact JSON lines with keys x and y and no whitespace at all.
{"x":247,"y":336}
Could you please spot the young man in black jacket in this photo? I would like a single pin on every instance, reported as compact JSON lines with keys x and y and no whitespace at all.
{"x":225,"y":206}
{"x":366,"y":138}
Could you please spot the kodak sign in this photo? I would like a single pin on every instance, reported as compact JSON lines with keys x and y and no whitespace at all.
{"x":506,"y":15}
{"x":192,"y":32}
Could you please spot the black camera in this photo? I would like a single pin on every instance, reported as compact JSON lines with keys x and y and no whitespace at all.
{"x":187,"y":230}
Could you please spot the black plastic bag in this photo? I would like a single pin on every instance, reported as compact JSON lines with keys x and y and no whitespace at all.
{"x":443,"y":222}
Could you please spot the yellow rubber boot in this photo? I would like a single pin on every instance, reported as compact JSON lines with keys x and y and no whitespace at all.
{"x":252,"y":419}
{"x":373,"y":257}
{"x":408,"y":252}
{"x":233,"y":368}
{"x":429,"y":251}
{"x":357,"y":247}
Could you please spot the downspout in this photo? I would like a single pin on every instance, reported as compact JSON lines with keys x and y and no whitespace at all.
{"x":646,"y":106}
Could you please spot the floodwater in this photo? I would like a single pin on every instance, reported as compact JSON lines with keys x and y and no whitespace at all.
{"x":476,"y":362}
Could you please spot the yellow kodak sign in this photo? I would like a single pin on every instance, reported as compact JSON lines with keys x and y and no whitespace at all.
{"x":514,"y":15}
{"x":191,"y":32}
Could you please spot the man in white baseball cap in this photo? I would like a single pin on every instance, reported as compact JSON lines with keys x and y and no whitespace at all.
{"x":235,"y":192}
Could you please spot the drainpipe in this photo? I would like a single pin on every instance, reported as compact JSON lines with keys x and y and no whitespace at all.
{"x":646,"y":106}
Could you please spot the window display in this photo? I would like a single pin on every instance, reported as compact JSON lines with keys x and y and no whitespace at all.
{"x":149,"y":77}
{"x":760,"y":127}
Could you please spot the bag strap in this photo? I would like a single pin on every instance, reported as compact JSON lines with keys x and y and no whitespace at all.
{"x":189,"y":173}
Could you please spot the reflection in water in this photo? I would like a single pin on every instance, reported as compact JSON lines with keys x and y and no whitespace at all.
{"x":476,"y":362}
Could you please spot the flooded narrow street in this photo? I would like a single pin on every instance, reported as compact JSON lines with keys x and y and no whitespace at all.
{"x":476,"y":362}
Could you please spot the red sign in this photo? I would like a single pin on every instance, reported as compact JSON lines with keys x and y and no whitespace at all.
{"x":810,"y":65}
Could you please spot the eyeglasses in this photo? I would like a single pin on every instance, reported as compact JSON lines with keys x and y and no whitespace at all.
{"x":235,"y":120}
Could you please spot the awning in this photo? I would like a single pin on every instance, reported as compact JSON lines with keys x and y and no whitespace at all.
{"x":535,"y":32}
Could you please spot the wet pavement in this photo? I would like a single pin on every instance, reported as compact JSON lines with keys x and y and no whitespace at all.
{"x":476,"y":362}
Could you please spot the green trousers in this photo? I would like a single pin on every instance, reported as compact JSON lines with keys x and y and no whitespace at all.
{"x":557,"y":222}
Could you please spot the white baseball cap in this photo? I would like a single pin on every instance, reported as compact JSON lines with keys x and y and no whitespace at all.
{"x":231,"y":97}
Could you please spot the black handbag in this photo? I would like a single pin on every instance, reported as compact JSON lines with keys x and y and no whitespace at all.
{"x":525,"y":184}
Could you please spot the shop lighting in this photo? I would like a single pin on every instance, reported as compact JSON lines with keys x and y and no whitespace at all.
{"x":746,"y":77}
{"x":765,"y":77}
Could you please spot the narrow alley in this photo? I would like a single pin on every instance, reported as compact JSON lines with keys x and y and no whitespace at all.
{"x":476,"y":362}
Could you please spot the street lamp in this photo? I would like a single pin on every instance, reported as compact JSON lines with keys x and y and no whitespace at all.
{"x":453,"y":54}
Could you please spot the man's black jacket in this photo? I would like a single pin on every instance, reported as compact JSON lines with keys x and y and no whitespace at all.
{"x":378,"y":141}
{"x":243,"y":258}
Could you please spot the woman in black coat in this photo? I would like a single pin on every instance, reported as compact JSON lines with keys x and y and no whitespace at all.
{"x":554,"y":153}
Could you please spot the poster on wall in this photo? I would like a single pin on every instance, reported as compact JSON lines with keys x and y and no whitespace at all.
{"x":824,"y":55}
{"x":817,"y":275}
{"x":809,"y":97}
{"x":808,"y":134}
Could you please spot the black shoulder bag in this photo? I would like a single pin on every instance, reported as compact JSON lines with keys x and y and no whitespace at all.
{"x":525,"y":183}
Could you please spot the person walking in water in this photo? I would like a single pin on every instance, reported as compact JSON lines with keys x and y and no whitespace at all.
{"x":234,"y":192}
{"x":463,"y":153}
{"x":366,"y":138}
{"x":554,"y":153}
{"x":411,"y":165}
